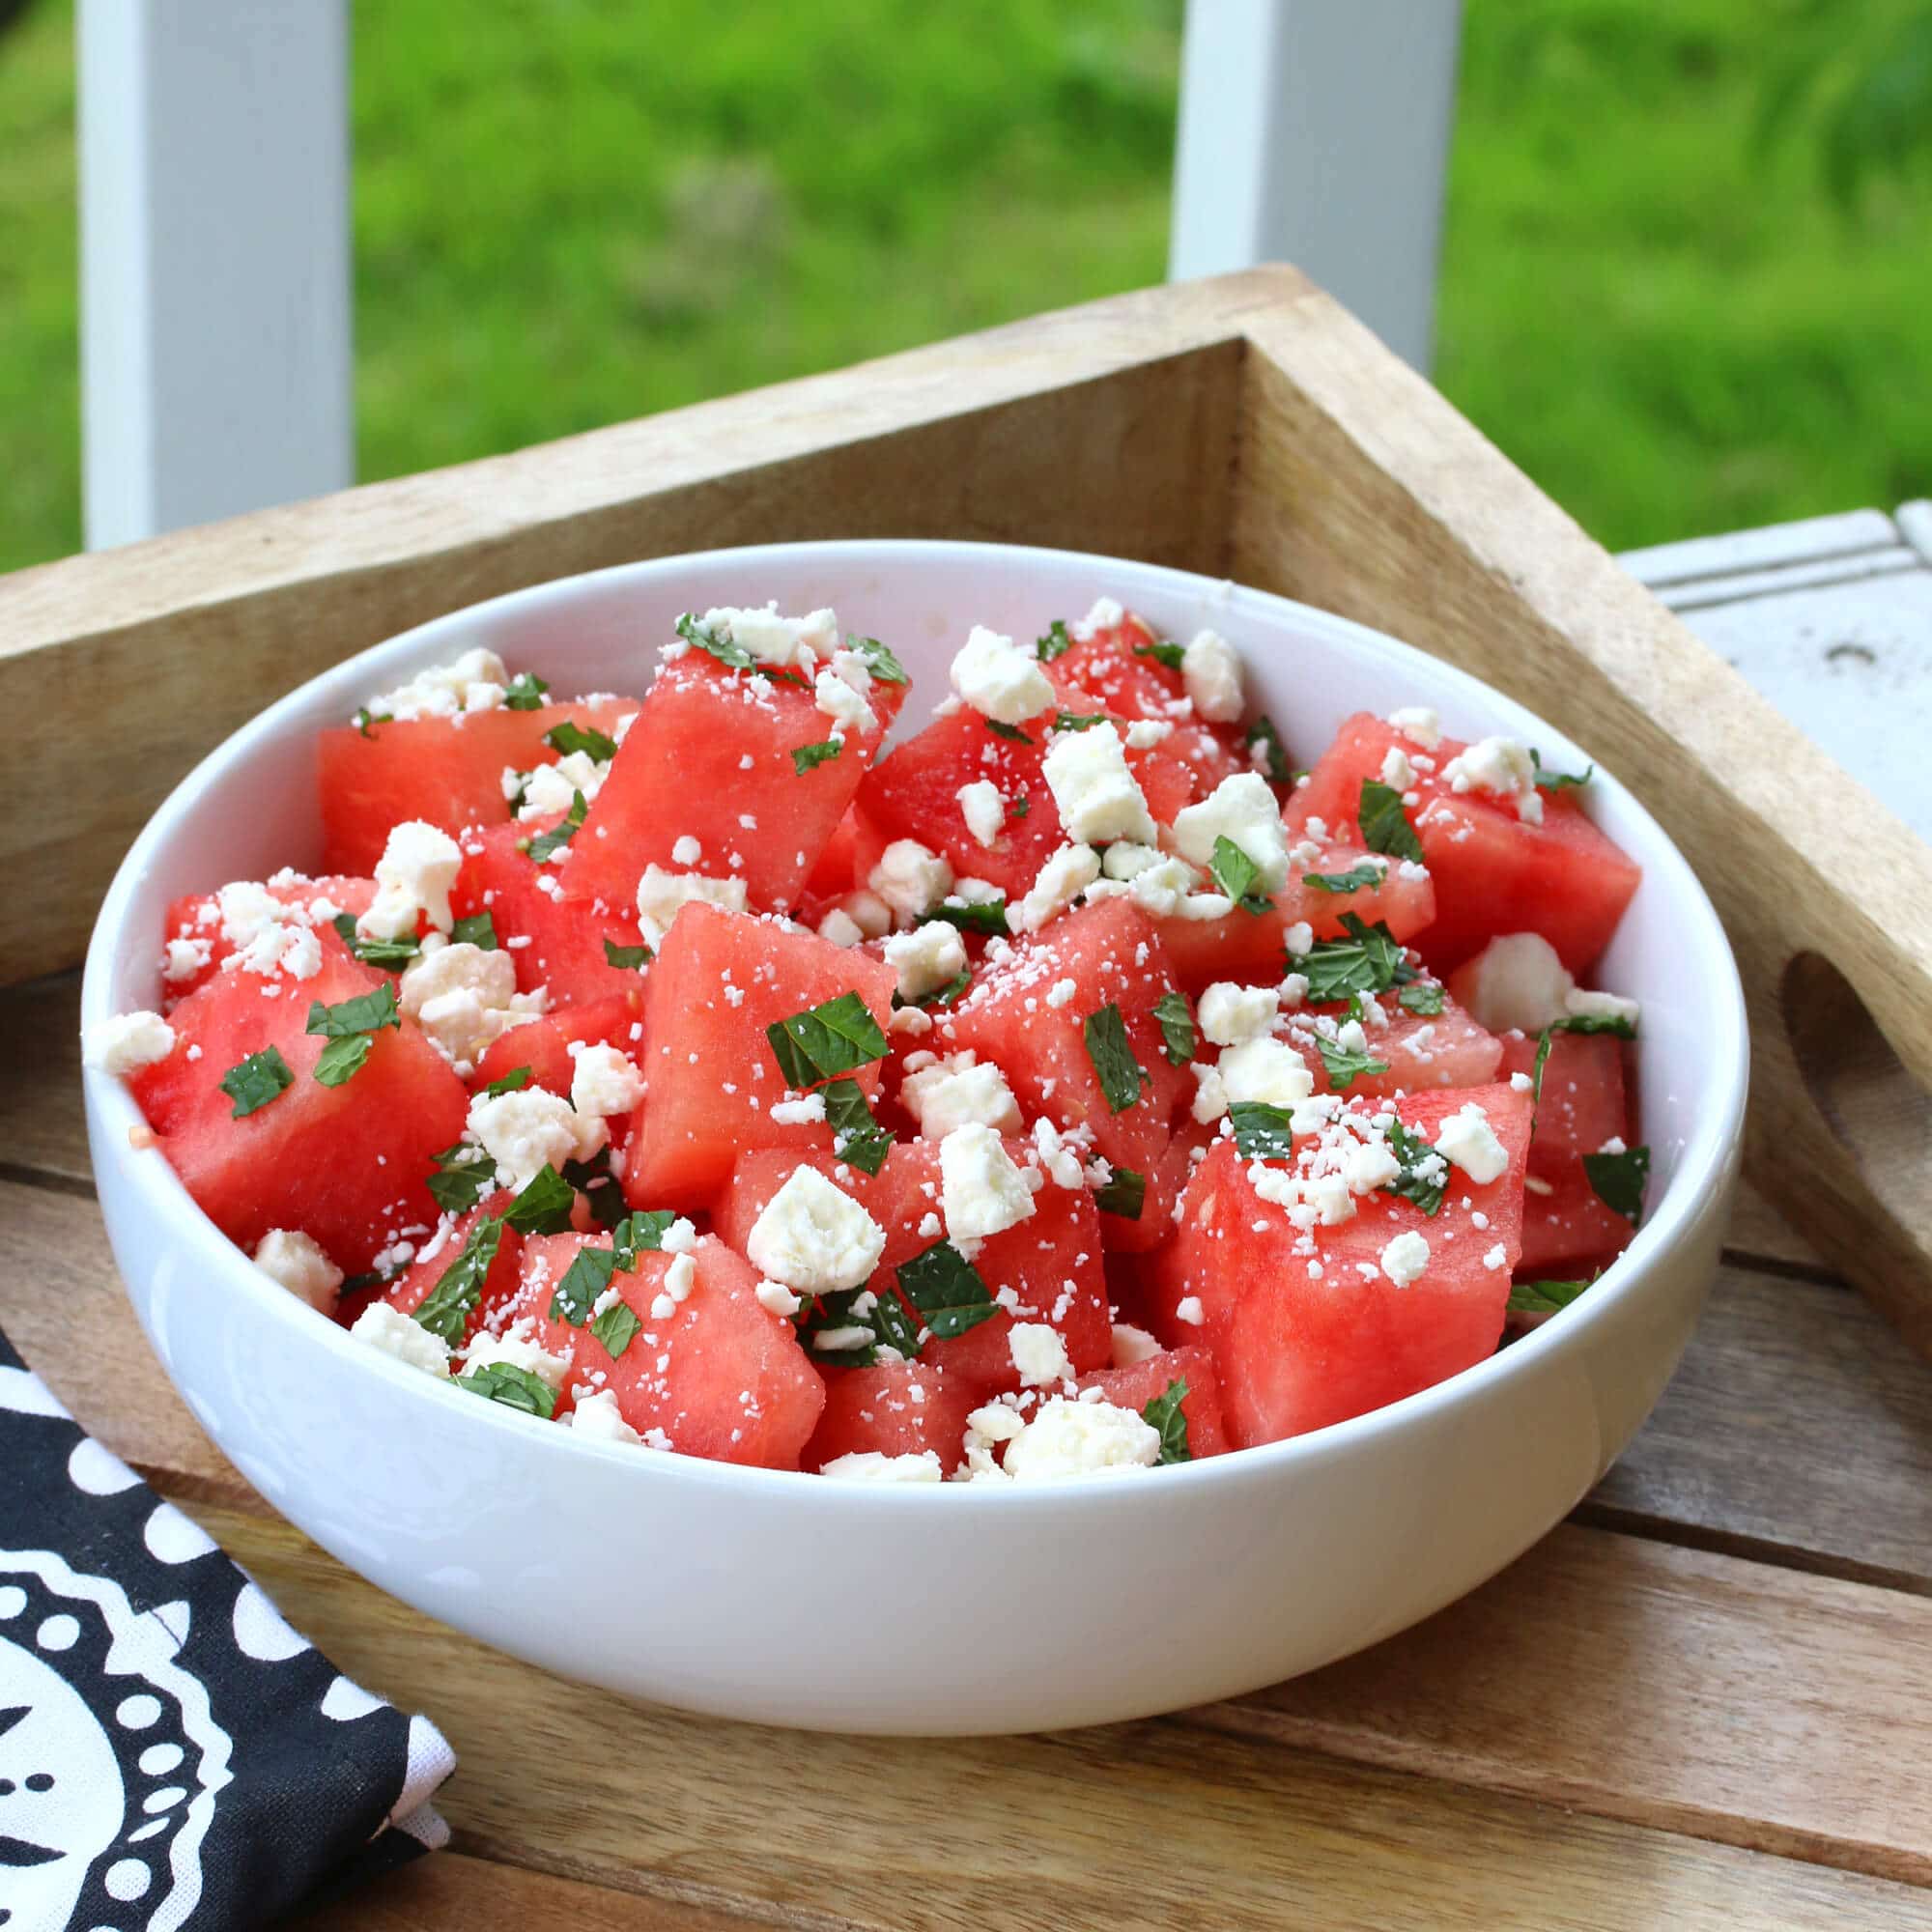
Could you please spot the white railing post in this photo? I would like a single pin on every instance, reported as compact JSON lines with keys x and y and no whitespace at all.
{"x":1316,"y":131}
{"x":215,"y":259}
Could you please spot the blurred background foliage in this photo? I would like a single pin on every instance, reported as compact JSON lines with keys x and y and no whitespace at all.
{"x":1684,"y":282}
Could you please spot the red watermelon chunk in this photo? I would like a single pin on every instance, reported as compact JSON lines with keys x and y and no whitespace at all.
{"x":894,"y":1408}
{"x":720,"y":979}
{"x":344,"y":1165}
{"x":436,"y":1257}
{"x":544,"y":1044}
{"x":1145,"y":1381}
{"x":446,"y":771}
{"x":1417,"y":1051}
{"x":710,"y":760}
{"x":1567,"y":1230}
{"x":1495,"y":872}
{"x":721,"y":1376}
{"x":196,"y":922}
{"x":1114,"y":955}
{"x":1298,"y":1350}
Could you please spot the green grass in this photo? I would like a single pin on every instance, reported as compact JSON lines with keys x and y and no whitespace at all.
{"x":576,"y":211}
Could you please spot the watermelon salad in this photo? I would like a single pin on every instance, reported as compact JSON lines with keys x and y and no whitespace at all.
{"x":1100,"y":1077}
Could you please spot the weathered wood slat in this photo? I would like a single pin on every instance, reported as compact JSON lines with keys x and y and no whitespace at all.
{"x":1157,"y":1824}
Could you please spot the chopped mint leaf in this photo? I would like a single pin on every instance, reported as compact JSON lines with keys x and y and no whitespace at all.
{"x":525,"y":692}
{"x":837,"y":1037}
{"x":391,"y":955}
{"x":731,"y":654}
{"x":895,"y":1327}
{"x":1610,"y":1023}
{"x":1357,"y":879}
{"x":1235,"y":873}
{"x":946,"y":1290}
{"x":1164,"y":653}
{"x":1167,"y":1415}
{"x":1261,"y":1133}
{"x":1367,"y":961}
{"x":984,"y":916}
{"x":809,"y":758}
{"x":947,"y":993}
{"x":641,"y":1232}
{"x":252,"y":1083}
{"x":364,"y":718}
{"x":1176,"y":1027}
{"x":1422,"y":997}
{"x":1018,"y":807}
{"x":366,"y":1012}
{"x":1056,"y":643}
{"x":1275,"y":756}
{"x":512,"y":1386}
{"x":616,"y":1328}
{"x":341,"y":1060}
{"x":569,"y":737}
{"x":561,"y":834}
{"x":637,"y":957}
{"x":594,"y":1181}
{"x":1114,"y":1061}
{"x":1345,"y":1066}
{"x":1561,"y":781}
{"x":445,"y":1310}
{"x":479,"y":931}
{"x":463,"y":1175}
{"x":1386,"y":826}
{"x":1425,"y":1172}
{"x":1618,"y":1179}
{"x":1011,"y":731}
{"x":879,"y":660}
{"x":1544,"y":1297}
{"x":1124,"y":1194}
{"x":831,"y":1318}
{"x":544,"y":1204}
{"x":577,"y":1290}
{"x":857,"y":1137}
{"x":513,"y":1081}
{"x":1078,"y":721}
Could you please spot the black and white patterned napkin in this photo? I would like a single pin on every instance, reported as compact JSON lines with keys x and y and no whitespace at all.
{"x":174,"y":1757}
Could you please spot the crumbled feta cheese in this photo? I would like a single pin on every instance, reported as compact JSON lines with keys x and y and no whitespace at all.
{"x":911,"y":879}
{"x":1105,"y":615}
{"x":959,"y":1091}
{"x":1241,"y":809}
{"x":1405,"y":1258}
{"x":801,"y":1112}
{"x":1061,"y":993}
{"x":773,"y":639}
{"x":419,"y":865}
{"x":127,"y":1042}
{"x":1096,"y":794}
{"x":1582,"y":1004}
{"x":999,"y":679}
{"x":840,"y":928}
{"x":686,"y":850}
{"x":1188,"y":1309}
{"x":183,"y":958}
{"x":1132,"y":1344}
{"x":598,"y":1417}
{"x":527,"y":1129}
{"x":1211,"y":1097}
{"x":1266,"y":1069}
{"x":984,"y":810}
{"x":1398,"y":773}
{"x":1059,"y":882}
{"x":382,"y":1326}
{"x":870,"y":1466}
{"x":663,"y":894}
{"x":551,"y":790}
{"x":476,"y":682}
{"x":1210,"y":667}
{"x":1501,"y":767}
{"x":1368,"y":1165}
{"x":926,"y":958}
{"x":488,"y":1351}
{"x":1467,"y":1139}
{"x":1081,"y":1438}
{"x":299,"y":1264}
{"x":1145,"y":733}
{"x":847,"y":707}
{"x":813,"y":1238}
{"x":1165,"y":888}
{"x":1517,"y":983}
{"x":1125,"y":859}
{"x":982,"y":1192}
{"x":464,"y":998}
{"x":1230,"y":1013}
{"x":1418,"y":724}
{"x":1039,"y":1355}
{"x":776,"y":1299}
{"x":1497,"y":1258}
{"x":604,"y":1082}
{"x":1059,"y":1155}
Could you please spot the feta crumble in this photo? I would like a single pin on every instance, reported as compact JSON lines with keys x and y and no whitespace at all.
{"x":1405,"y":1257}
{"x":1081,"y":1438}
{"x":982,"y":1192}
{"x":418,"y":866}
{"x":1210,"y":667}
{"x":127,"y":1042}
{"x":984,"y":810}
{"x":381,"y":1325}
{"x":1040,"y":1354}
{"x":1241,"y":809}
{"x":287,"y":1256}
{"x":813,"y":1238}
{"x":911,"y":879}
{"x":958,"y":1091}
{"x":1467,"y":1139}
{"x":1231,"y":1014}
{"x":1097,"y":796}
{"x":999,"y":679}
{"x":870,"y":1466}
{"x":663,"y":894}
{"x":598,"y":1417}
{"x":926,"y":958}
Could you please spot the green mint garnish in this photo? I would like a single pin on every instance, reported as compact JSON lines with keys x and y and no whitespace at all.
{"x":569,"y":737}
{"x":543,"y":1205}
{"x":1357,"y":879}
{"x":525,"y":692}
{"x":1367,"y":961}
{"x":879,"y":660}
{"x":1170,"y":655}
{"x":1056,"y":643}
{"x":478,"y":931}
{"x":1346,"y":1067}
{"x":1176,"y":1027}
{"x":984,"y":916}
{"x":1261,"y":1133}
{"x":946,"y":1290}
{"x":1618,"y":1179}
{"x":809,"y":758}
{"x":1386,"y":826}
{"x":1011,"y":731}
{"x":1167,"y":1415}
{"x":1124,"y":1194}
{"x":514,"y":1387}
{"x":1425,"y":1172}
{"x":1561,"y":781}
{"x":252,"y":1083}
{"x":1544,"y":1297}
{"x":1275,"y":756}
{"x":1422,"y":997}
{"x":1113,"y":1062}
{"x":630,"y":957}
{"x":391,"y":955}
{"x":545,"y":844}
{"x":857,"y":1137}
{"x":445,"y":1310}
{"x":1235,"y":873}
{"x":838,"y":1036}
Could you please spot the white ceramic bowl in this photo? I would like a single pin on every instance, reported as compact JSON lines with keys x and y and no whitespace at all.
{"x":962,"y":1609}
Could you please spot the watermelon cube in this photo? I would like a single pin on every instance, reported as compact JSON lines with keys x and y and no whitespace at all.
{"x":894,"y":1408}
{"x":1142,"y":1383}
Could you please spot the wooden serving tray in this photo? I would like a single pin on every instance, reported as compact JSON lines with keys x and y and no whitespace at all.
{"x":1699,"y":1702}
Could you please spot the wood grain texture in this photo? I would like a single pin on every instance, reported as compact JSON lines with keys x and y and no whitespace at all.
{"x":1168,"y":1823}
{"x":1107,"y":428}
{"x":42,"y":1126}
{"x":1361,"y":490}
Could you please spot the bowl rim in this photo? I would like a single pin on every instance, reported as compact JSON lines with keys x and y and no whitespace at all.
{"x":1708,"y":1150}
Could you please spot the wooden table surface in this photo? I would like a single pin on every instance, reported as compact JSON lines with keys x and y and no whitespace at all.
{"x":1700,"y":1702}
